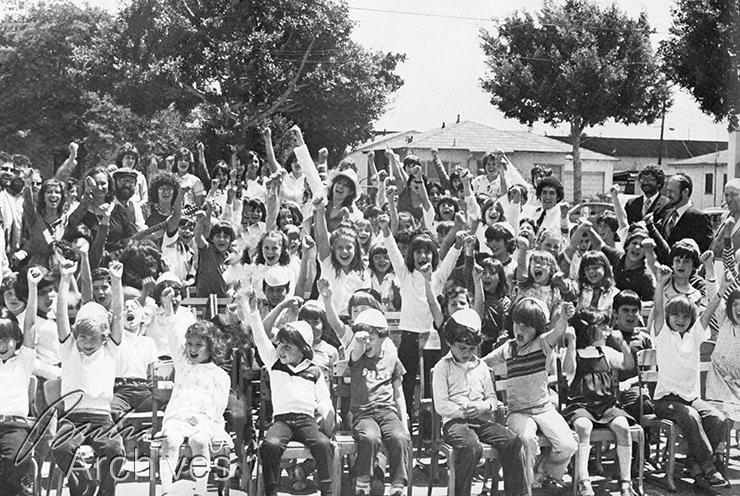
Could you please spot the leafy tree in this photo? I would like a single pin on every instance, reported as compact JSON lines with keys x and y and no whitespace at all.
{"x":252,"y":62}
{"x":577,"y":63}
{"x":703,"y":55}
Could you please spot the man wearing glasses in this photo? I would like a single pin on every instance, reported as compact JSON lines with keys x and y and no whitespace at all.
{"x":651,"y":180}
{"x":10,"y":217}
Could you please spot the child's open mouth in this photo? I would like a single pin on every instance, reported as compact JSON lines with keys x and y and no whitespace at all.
{"x":538,"y":273}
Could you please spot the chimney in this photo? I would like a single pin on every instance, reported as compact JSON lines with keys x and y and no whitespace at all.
{"x":458,"y":119}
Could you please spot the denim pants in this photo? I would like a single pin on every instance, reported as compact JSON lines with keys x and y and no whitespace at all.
{"x":16,"y":475}
{"x":465,"y":436}
{"x":89,"y":428}
{"x":304,"y":429}
{"x":703,"y":427}
{"x":370,"y":430}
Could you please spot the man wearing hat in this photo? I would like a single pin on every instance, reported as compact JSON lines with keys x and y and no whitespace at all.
{"x":124,"y":180}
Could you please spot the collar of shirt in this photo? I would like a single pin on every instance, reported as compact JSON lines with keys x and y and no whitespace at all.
{"x":468,"y":364}
{"x":683,"y":209}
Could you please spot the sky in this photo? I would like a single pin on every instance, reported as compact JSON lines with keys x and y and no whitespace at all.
{"x":444,"y":65}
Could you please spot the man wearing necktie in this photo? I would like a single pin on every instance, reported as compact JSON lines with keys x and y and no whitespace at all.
{"x":732,"y":202}
{"x":651,"y":180}
{"x":683,"y":220}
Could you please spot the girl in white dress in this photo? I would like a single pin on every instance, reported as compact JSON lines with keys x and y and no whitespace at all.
{"x":195,"y":411}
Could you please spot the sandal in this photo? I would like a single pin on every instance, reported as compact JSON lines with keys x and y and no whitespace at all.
{"x":625,"y":488}
{"x":584,"y":488}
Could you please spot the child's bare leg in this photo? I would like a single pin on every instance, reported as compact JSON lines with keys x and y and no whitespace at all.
{"x":169,"y":458}
{"x":583,"y":428}
{"x":200,"y":444}
{"x":621,"y":429}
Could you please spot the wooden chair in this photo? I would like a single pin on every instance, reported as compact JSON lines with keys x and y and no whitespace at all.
{"x":163,"y":374}
{"x":294,"y":450}
{"x":665,"y":457}
{"x":199,"y":305}
{"x":342,"y":392}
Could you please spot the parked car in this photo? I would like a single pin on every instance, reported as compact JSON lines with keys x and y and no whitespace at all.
{"x":715,"y":215}
{"x":589,"y":210}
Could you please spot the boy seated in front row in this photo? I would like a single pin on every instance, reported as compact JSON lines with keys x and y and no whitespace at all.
{"x":679,"y":332}
{"x":89,"y":365}
{"x":465,"y":399}
{"x":377,"y":403}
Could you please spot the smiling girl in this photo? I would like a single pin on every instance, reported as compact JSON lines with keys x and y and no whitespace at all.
{"x":213,"y":254}
{"x":596,"y":282}
{"x":383,"y":279}
{"x":340,"y":257}
{"x":200,"y":395}
{"x":537,"y":281}
{"x":183,"y":167}
{"x":272,"y":251}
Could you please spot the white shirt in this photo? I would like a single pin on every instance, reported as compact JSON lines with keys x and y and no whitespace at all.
{"x":481,"y":184}
{"x":161,"y":326}
{"x":678,"y":361}
{"x":15,"y":374}
{"x":343,"y":285}
{"x":134,"y":356}
{"x":179,"y":257}
{"x":94,"y":375}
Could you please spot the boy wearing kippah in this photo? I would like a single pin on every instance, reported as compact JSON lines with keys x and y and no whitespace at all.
{"x":465,"y":399}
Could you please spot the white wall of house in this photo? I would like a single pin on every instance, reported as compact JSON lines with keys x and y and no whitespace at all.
{"x":708,"y":181}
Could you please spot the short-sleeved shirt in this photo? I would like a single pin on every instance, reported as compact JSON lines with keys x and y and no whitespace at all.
{"x":94,"y":375}
{"x":344,"y":284}
{"x":196,"y":188}
{"x":135,"y":353}
{"x":526,"y":372}
{"x":678,"y":362}
{"x":637,"y":342}
{"x":15,"y":373}
{"x":371,"y":382}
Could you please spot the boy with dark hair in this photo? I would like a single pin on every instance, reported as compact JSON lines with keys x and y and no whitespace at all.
{"x":465,"y":399}
{"x":377,"y":403}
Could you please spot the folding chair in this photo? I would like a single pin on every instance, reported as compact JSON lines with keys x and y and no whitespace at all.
{"x":163,"y":374}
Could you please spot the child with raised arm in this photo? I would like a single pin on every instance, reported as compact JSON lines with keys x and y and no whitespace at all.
{"x":17,"y":358}
{"x":89,"y":353}
{"x":679,"y":333}
{"x":526,"y":357}
{"x":377,"y":404}
{"x":302,"y":392}
{"x":196,"y":408}
{"x":465,"y":399}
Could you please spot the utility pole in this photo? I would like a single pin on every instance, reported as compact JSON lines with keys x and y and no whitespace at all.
{"x":662,"y":129}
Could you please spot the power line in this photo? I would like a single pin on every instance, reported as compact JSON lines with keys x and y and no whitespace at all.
{"x":422,"y":14}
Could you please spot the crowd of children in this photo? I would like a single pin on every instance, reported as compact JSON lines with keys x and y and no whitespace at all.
{"x":487,"y":276}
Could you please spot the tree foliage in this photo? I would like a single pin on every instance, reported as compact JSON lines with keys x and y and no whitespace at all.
{"x":575,"y":63}
{"x":249,"y":63}
{"x":703,"y":55}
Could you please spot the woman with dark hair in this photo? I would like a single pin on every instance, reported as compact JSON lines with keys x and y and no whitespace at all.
{"x":45,"y":224}
{"x":343,"y":191}
{"x":294,"y":182}
{"x":252,"y":178}
{"x":128,"y":156}
{"x":162,"y":194}
{"x":95,"y":201}
{"x":184,"y":169}
{"x":411,"y":199}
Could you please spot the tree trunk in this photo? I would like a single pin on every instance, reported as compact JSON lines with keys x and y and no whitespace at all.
{"x":576,"y":128}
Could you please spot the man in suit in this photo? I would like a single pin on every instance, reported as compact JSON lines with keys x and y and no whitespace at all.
{"x":652,"y":180}
{"x":682,"y":220}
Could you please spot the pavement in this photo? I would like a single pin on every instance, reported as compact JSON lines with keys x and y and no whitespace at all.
{"x":138,"y":485}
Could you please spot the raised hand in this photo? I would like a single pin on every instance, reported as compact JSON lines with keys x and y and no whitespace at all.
{"x":67,"y":267}
{"x":460,"y":238}
{"x":215,"y":183}
{"x":201,"y":147}
{"x":384,"y":221}
{"x":307,"y":243}
{"x":614,"y":190}
{"x":522,"y":243}
{"x":168,"y":295}
{"x":116,"y":269}
{"x":564,"y":207}
{"x":82,"y":246}
{"x":391,"y":192}
{"x":323,"y":155}
{"x":648,"y":244}
{"x":344,"y":213}
{"x":707,"y":258}
{"x":649,"y":219}
{"x":34,"y":276}
{"x":267,"y":132}
{"x":73,"y":147}
{"x":426,"y":271}
{"x":477,"y":273}
{"x":569,"y":310}
{"x":324,"y":288}
{"x":664,"y":275}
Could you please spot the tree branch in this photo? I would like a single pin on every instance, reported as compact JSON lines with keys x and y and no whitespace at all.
{"x":289,"y":91}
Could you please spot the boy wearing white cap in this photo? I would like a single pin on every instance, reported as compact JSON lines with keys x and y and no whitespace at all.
{"x":377,"y":403}
{"x":465,"y":399}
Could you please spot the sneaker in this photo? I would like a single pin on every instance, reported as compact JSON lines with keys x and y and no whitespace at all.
{"x":584,"y":488}
{"x":625,"y":488}
{"x":715,"y":479}
{"x":298,"y":478}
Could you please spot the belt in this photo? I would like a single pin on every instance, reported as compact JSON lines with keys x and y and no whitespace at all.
{"x":126,"y":381}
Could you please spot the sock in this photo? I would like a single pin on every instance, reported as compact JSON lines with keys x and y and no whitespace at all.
{"x":165,"y":474}
{"x":624,"y":454}
{"x":397,"y":488}
{"x":584,"y":450}
{"x":201,"y":484}
{"x":362,"y":484}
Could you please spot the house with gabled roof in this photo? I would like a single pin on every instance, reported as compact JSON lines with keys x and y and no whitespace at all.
{"x":463,"y":144}
{"x":708,"y":174}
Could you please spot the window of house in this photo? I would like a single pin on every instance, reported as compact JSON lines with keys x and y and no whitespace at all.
{"x":708,"y":183}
